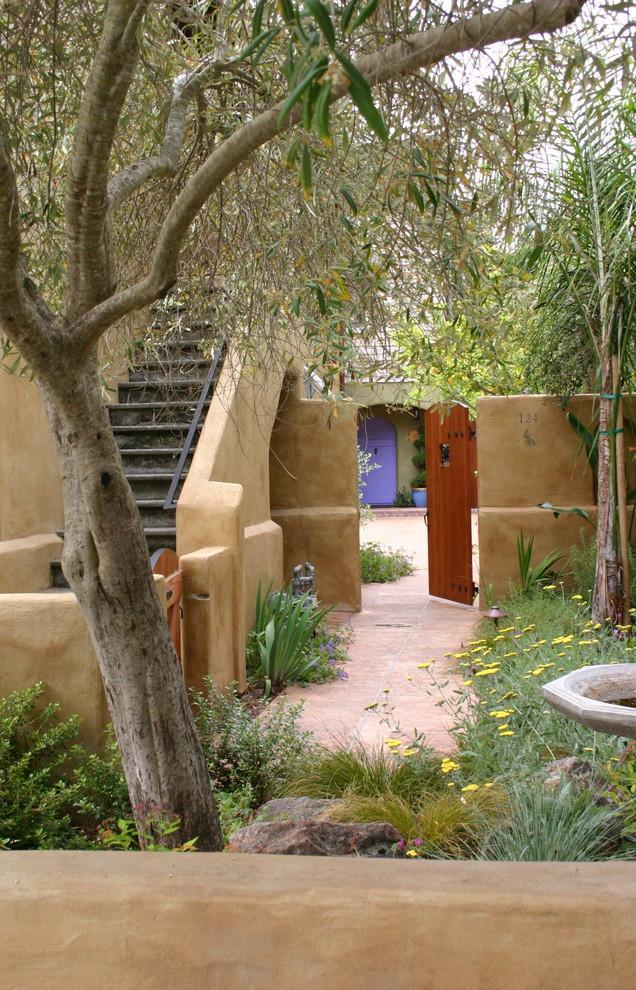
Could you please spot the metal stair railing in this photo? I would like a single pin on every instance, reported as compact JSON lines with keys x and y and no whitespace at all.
{"x":170,"y":502}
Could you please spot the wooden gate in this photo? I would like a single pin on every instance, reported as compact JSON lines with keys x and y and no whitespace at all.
{"x":450,"y":460}
{"x":166,"y":563}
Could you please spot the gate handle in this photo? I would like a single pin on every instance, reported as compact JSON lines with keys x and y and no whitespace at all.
{"x":426,"y":518}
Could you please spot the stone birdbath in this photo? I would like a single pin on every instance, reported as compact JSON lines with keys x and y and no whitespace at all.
{"x":602,"y":697}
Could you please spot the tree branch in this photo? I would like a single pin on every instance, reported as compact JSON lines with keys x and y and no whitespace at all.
{"x":185,"y":88}
{"x":399,"y":59}
{"x":90,"y":278}
{"x":23,"y":315}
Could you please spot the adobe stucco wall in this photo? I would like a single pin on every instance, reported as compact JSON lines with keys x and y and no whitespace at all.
{"x":140,"y":921}
{"x":314,"y":494}
{"x":528,"y":454}
{"x":30,"y":486}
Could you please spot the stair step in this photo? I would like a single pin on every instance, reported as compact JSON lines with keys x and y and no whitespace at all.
{"x":160,"y":459}
{"x":57,"y":575}
{"x":167,"y":371}
{"x":158,"y":537}
{"x":137,"y":413}
{"x":182,"y":389}
{"x":178,"y":347}
{"x":152,"y":484}
{"x":152,"y":435}
{"x":153,"y":515}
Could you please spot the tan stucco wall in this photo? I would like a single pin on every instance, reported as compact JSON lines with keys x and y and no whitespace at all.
{"x":141,"y":921}
{"x":314,"y":494}
{"x":45,"y":639}
{"x":25,"y":564}
{"x":528,"y":454}
{"x":223,"y":515}
{"x":30,"y":487}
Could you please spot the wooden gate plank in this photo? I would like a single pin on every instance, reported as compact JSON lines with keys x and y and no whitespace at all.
{"x":449,"y":483}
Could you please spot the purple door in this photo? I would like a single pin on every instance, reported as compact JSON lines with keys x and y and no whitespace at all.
{"x":377,"y":437}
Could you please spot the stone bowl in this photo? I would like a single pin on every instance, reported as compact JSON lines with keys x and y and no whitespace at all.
{"x":589,"y":696}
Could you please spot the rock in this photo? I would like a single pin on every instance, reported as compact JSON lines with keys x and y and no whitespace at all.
{"x":298,"y":809}
{"x":579,"y":773}
{"x":315,"y":838}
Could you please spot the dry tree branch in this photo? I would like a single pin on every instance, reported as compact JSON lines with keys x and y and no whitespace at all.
{"x":90,"y":278}
{"x":396,"y":60}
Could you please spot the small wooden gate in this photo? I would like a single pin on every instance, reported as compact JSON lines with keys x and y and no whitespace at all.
{"x":450,"y":472}
{"x":166,"y":563}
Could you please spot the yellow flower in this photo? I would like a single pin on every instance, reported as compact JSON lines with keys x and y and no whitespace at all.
{"x":507,"y":629}
{"x":528,"y":628}
{"x":423,"y":666}
{"x":409,"y":752}
{"x":587,"y":642}
{"x":449,"y":765}
{"x":497,"y":638}
{"x":577,"y":598}
{"x":508,"y":733}
{"x":537,"y":671}
{"x":549,"y":587}
{"x":467,"y":683}
{"x":489,"y":783}
{"x":486,"y":671}
{"x":412,"y":853}
{"x":508,"y":694}
{"x":452,"y":784}
{"x":393,"y":742}
{"x":475,"y":642}
{"x":470,"y":787}
{"x":501,"y":713}
{"x":501,"y":728}
{"x":511,"y":654}
{"x":458,"y":656}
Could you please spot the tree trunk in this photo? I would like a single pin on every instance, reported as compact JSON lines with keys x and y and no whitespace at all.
{"x":607,"y":601}
{"x":106,"y":562}
{"x":621,"y":491}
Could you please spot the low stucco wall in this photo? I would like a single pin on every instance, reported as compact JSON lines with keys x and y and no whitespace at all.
{"x":528,"y":454}
{"x":45,"y":639}
{"x":25,"y":564}
{"x":139,"y":921}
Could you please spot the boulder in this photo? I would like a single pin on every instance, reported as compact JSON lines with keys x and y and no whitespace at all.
{"x":315,"y":838}
{"x":294,"y":809}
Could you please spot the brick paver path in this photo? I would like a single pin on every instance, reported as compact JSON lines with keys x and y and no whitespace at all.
{"x":399,"y":627}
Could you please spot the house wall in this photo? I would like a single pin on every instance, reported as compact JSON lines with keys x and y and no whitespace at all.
{"x":231,"y":922}
{"x":529,"y":454}
{"x":30,"y":486}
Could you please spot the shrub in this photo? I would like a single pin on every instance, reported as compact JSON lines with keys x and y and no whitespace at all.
{"x":382,"y":564}
{"x":283,"y":628}
{"x":446,"y":824}
{"x":242,"y":750}
{"x":544,"y":826}
{"x":367,"y":772}
{"x":100,"y":791}
{"x":35,"y":793}
{"x":327,"y":650}
{"x":403,"y":499}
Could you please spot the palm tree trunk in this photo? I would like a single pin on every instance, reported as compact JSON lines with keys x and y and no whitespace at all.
{"x":607,"y":602}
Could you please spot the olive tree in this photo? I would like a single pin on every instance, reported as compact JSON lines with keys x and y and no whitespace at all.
{"x":105,"y":557}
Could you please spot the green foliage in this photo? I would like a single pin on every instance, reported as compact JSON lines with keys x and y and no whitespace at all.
{"x":242,"y":750}
{"x":544,"y":826}
{"x":35,"y":793}
{"x":327,"y":651}
{"x":366,"y":772}
{"x":235,"y":809}
{"x":154,"y":829}
{"x":382,"y":564}
{"x":446,"y":824}
{"x":403,"y":499}
{"x":100,"y":791}
{"x":531,"y":575}
{"x":278,"y":649}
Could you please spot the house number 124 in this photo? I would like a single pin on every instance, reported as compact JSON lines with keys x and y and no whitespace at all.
{"x":528,"y":417}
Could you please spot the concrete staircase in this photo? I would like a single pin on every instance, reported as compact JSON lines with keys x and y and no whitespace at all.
{"x":150,"y":421}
